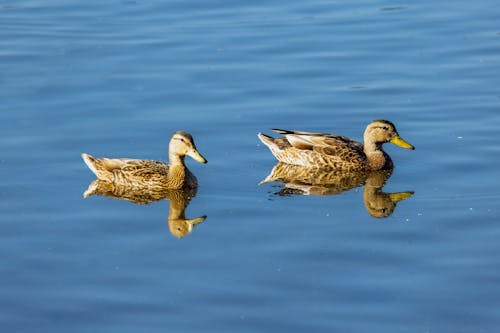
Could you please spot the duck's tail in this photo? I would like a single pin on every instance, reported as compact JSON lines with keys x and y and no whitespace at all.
{"x":91,"y":163}
{"x":98,"y":167}
{"x":277,"y":146}
{"x":266,"y":139}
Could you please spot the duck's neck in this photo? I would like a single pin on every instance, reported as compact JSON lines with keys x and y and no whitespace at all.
{"x":376,"y":157}
{"x":176,"y":171}
{"x":176,"y":160}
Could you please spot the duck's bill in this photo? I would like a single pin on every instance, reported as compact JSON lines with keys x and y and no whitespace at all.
{"x":194,"y":154}
{"x":398,"y":141}
{"x":397,"y":197}
{"x":197,"y":220}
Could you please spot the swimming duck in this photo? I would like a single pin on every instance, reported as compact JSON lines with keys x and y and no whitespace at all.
{"x":336,"y":152}
{"x":147,"y":173}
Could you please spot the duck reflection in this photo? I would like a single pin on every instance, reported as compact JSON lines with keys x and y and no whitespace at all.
{"x":306,"y":181}
{"x":178,"y":224}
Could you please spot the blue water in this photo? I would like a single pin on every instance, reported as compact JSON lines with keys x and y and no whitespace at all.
{"x":117,"y":78}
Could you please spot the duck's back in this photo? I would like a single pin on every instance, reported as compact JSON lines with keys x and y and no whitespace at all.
{"x":319,"y":150}
{"x":126,"y":171}
{"x":341,"y":156}
{"x":140,"y":172}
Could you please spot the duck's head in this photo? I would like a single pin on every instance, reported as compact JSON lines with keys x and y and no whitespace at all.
{"x":182,"y":144}
{"x":382,"y":131}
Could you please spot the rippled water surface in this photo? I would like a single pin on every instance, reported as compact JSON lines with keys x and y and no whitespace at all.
{"x":117,"y":78}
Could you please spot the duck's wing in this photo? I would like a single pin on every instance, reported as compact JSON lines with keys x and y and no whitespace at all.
{"x":126,"y":169}
{"x":337,"y":142}
{"x":339,"y":149}
{"x":307,"y":140}
{"x":129,"y":165}
{"x":344,"y":154}
{"x":144,"y":169}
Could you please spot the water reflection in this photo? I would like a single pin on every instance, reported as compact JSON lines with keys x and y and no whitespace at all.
{"x":178,"y":224}
{"x":306,"y":181}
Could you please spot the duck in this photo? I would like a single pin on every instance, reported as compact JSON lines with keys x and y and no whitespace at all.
{"x":148,"y":173}
{"x":337,"y":152}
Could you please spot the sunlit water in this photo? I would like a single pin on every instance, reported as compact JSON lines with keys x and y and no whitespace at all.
{"x":118,"y":78}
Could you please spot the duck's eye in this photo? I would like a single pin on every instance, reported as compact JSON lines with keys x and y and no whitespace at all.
{"x":181,"y":139}
{"x":385,"y":128}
